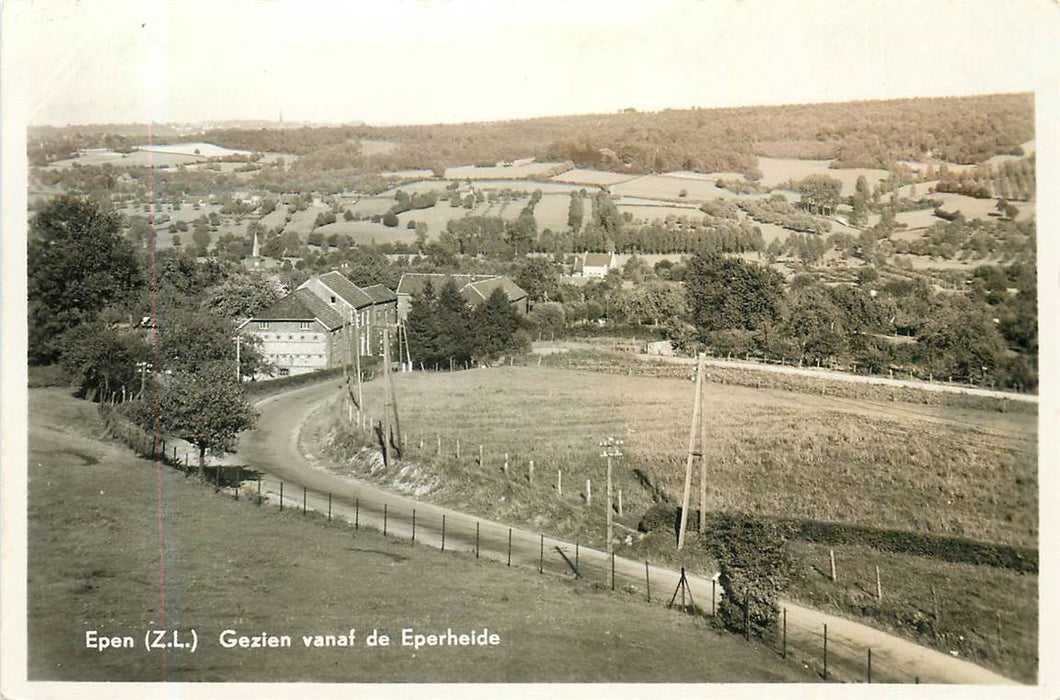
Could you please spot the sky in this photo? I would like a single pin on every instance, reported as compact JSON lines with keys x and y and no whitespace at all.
{"x":426,"y":61}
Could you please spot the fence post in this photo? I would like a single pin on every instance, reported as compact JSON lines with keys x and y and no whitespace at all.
{"x":509,"y":546}
{"x":647,"y":580}
{"x":481,"y":457}
{"x":303,"y":500}
{"x":458,"y":449}
{"x":588,"y":492}
{"x":443,"y":532}
{"x":505,"y":462}
{"x":541,"y":559}
{"x":531,"y":473}
{"x":476,"y":538}
{"x":713,"y":594}
{"x":329,"y":506}
{"x":868,"y":669}
{"x":620,"y":503}
{"x":439,"y":444}
{"x":612,"y":569}
{"x":414,"y":525}
{"x":559,"y":482}
{"x":259,"y":489}
{"x":784,"y":638}
{"x":281,"y":495}
{"x":831,"y":558}
{"x":826,"y":651}
{"x":577,"y":566}
{"x":879,"y":587}
{"x":357,"y":514}
{"x":746,"y":619}
{"x":384,"y":519}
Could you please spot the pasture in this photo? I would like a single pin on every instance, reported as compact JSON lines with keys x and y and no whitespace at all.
{"x":510,"y":172}
{"x":778,"y":170}
{"x":592,"y":178}
{"x":934,"y":469}
{"x":203,"y":150}
{"x":134,"y":159}
{"x":647,"y":214}
{"x":669,"y":188}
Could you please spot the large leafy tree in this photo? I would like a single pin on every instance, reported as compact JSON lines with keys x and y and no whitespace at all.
{"x":728,"y":293}
{"x":78,"y":264}
{"x":207,"y":408}
{"x":103,"y":359}
{"x":454,"y":324}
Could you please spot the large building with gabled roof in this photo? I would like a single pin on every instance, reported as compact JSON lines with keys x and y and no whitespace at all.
{"x":474,"y":288}
{"x":318,"y":324}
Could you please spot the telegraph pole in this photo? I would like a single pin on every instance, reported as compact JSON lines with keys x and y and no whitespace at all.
{"x":691,"y":452}
{"x":610,"y":448}
{"x":386,"y":399}
{"x":239,"y":372}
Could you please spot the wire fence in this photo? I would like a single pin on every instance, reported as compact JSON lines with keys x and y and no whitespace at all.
{"x":833,"y":657}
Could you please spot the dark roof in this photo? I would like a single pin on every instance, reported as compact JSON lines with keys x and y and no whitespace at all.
{"x":350,"y":292}
{"x":413,"y":282}
{"x":301,"y":305}
{"x":380,"y":294}
{"x":597,"y":259}
{"x":484,"y":288}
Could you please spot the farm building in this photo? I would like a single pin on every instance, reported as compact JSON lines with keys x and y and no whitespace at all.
{"x":594,"y":265}
{"x":311,"y":328}
{"x":474,"y":288}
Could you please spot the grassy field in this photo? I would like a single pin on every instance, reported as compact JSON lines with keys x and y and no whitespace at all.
{"x":778,"y":170}
{"x":670,"y":188}
{"x":592,"y":178}
{"x":970,"y":599}
{"x":933,"y":469}
{"x":941,"y":470}
{"x":93,"y":551}
{"x":530,"y":170}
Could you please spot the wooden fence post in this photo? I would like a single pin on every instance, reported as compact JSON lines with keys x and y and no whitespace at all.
{"x":831,"y":558}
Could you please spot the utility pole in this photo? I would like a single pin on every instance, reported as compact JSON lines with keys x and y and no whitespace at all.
{"x":610,"y":448}
{"x":390,"y":390}
{"x":691,"y":452}
{"x":703,"y":471}
{"x":386,"y":399}
{"x":239,"y":372}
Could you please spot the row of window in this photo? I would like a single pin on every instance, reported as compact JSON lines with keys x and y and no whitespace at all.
{"x":294,"y":358}
{"x":303,"y":325}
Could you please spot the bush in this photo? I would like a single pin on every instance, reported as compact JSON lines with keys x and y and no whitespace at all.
{"x":754,"y":568}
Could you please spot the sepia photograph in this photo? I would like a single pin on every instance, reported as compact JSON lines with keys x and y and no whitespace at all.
{"x":586,"y":349}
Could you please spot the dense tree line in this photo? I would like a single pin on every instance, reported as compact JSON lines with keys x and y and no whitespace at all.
{"x":777,"y":210}
{"x":443,"y":329}
{"x":989,"y":335}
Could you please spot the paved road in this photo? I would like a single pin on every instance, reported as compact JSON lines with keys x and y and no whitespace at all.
{"x":273,"y":448}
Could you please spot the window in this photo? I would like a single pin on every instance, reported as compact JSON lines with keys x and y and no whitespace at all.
{"x":333,"y":299}
{"x":263,"y":325}
{"x":306,"y":325}
{"x":284,"y":372}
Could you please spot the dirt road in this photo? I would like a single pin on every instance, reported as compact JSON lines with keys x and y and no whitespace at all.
{"x":273,"y":448}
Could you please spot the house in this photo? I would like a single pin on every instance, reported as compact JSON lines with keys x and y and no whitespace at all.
{"x":594,"y":265}
{"x":316,"y":326}
{"x":474,"y":288}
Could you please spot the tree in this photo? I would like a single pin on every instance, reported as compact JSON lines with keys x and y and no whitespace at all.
{"x":102,"y":359}
{"x":496,"y":325}
{"x":455,"y":340}
{"x":241,"y":296}
{"x":539,"y":278}
{"x":390,"y":219}
{"x":207,"y":408}
{"x":731,"y":293}
{"x":77,"y":264}
{"x":422,"y":326}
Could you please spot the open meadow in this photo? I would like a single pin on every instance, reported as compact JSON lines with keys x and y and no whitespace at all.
{"x":886,"y":467}
{"x":932,"y":469}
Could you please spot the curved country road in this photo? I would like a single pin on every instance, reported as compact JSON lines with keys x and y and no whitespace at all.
{"x":272,"y":448}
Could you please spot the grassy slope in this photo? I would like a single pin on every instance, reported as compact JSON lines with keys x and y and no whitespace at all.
{"x":93,"y":564}
{"x":941,"y":469}
{"x":927,"y":468}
